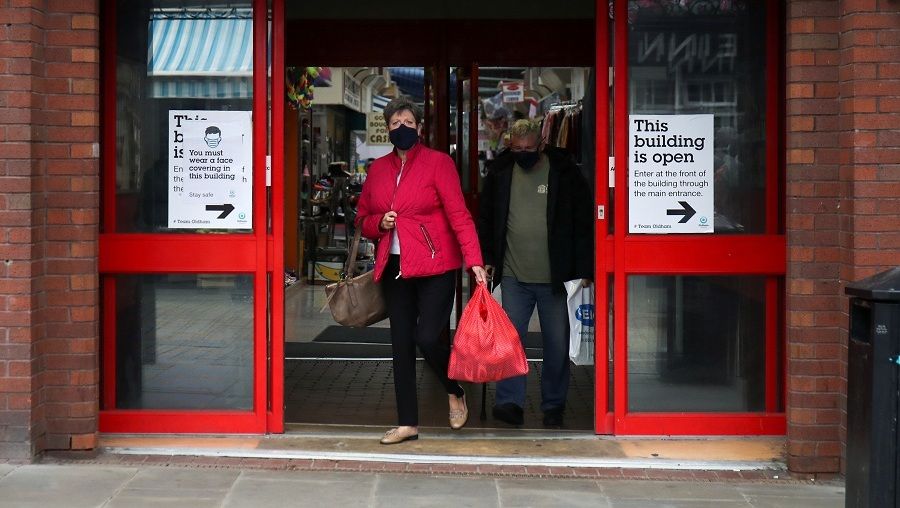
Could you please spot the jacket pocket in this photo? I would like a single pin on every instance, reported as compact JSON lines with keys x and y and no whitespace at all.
{"x":428,"y":240}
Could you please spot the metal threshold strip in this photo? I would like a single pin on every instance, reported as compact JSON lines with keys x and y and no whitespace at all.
{"x":453,"y":459}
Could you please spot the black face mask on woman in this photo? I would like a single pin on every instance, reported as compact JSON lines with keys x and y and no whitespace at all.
{"x":526,"y":160}
{"x":404,"y":137}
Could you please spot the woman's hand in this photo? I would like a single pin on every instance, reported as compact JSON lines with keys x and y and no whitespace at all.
{"x":389,"y":220}
{"x":480,"y":274}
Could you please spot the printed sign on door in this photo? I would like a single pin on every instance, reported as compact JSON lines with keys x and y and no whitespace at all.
{"x":670,"y":174}
{"x":210,"y":169}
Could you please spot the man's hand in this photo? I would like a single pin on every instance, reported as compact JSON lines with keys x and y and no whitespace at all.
{"x":389,"y":220}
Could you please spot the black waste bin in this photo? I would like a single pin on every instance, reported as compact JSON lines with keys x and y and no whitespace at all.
{"x":873,"y":391}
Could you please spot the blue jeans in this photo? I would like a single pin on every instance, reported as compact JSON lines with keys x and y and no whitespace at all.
{"x":519,"y":299}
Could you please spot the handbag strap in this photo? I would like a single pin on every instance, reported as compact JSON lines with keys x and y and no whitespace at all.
{"x":350,"y":268}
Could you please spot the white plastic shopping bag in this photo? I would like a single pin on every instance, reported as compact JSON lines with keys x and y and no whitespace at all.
{"x":580,"y":301}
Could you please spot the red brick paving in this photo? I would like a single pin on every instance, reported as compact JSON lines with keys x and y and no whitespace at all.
{"x":600,"y":473}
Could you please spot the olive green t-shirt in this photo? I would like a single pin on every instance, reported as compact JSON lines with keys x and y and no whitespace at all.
{"x":527,"y":256}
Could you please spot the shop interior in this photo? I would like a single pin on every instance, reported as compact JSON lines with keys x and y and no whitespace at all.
{"x":333,"y":130}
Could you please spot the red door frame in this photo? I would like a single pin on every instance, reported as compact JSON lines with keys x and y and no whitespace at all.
{"x":622,"y":254}
{"x":123,"y":254}
{"x":618,"y":255}
{"x":275,"y":412}
{"x":603,"y":414}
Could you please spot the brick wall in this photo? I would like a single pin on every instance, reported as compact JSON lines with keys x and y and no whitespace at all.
{"x":843,"y":200}
{"x":49,"y":215}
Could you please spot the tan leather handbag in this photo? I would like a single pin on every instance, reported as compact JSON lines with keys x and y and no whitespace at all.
{"x":356,"y":301}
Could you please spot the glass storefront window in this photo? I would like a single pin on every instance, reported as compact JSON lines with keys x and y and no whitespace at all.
{"x":701,"y":57}
{"x":172,"y":56}
{"x":696,"y":344}
{"x":184,"y":341}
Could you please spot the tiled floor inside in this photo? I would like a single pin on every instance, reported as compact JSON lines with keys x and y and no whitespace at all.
{"x":361,"y":392}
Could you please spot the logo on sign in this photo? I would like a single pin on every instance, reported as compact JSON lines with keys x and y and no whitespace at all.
{"x":585,"y":314}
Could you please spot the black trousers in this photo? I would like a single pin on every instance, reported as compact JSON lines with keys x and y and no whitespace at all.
{"x":419,"y":310}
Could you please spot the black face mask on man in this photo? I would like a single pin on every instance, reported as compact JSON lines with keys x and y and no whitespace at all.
{"x":526,"y":160}
{"x":404,"y":137}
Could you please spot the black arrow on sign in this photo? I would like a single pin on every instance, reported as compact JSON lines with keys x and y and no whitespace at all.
{"x":225,"y":209}
{"x":688,"y":212}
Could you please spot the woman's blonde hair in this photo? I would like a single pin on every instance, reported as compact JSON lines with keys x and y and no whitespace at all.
{"x":524,"y":128}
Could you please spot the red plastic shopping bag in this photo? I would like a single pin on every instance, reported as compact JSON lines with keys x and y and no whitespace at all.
{"x":486,"y":346}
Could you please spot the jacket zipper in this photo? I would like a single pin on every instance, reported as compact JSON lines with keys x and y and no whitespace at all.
{"x":396,"y":230}
{"x":427,"y":239}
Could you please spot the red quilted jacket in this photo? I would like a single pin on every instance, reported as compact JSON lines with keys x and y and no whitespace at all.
{"x":435,"y":228}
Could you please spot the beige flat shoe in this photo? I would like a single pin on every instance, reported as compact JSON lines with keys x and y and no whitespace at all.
{"x":458,"y":417}
{"x":397,"y":435}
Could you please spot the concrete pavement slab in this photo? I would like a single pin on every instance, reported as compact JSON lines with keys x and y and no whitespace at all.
{"x":181,"y":498}
{"x":682,"y":503}
{"x":787,"y":501}
{"x":422,"y":491}
{"x":790,"y":490}
{"x":5,"y":469}
{"x":299,"y":489}
{"x":793,"y":496}
{"x":70,"y":486}
{"x":673,"y":491}
{"x":170,"y":479}
{"x":535,"y":492}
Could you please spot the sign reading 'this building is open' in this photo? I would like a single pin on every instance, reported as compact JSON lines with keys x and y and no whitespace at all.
{"x":670,"y":181}
{"x":210,"y":169}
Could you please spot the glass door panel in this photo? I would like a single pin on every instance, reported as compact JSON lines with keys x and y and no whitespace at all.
{"x":696,"y":316}
{"x":183,"y":245}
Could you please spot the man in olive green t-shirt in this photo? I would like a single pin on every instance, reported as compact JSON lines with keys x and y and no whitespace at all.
{"x":536,"y":232}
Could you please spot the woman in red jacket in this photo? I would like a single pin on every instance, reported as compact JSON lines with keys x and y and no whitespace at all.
{"x":412,"y":206}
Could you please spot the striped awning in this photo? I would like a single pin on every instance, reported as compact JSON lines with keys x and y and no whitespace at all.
{"x":201,"y":57}
{"x":378,"y":103}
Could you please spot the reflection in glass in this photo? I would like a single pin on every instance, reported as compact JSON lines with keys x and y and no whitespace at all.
{"x":696,"y":344}
{"x":704,"y":57}
{"x":171,"y":57}
{"x":184,"y":342}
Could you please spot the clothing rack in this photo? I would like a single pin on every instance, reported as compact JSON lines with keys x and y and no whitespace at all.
{"x":562,"y":126}
{"x":564,"y":105}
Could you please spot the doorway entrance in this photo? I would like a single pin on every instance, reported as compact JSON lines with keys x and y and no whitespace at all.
{"x":342,"y":375}
{"x":440,"y":74}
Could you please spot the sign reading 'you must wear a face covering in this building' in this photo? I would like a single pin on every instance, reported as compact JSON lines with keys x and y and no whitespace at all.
{"x":670,"y":182}
{"x":210,"y":170}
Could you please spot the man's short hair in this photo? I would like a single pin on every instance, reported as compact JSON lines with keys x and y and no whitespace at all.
{"x":212,"y":129}
{"x":524,"y":128}
{"x":402,"y":104}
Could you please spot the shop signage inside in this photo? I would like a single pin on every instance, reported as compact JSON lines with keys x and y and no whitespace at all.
{"x":376,"y":130}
